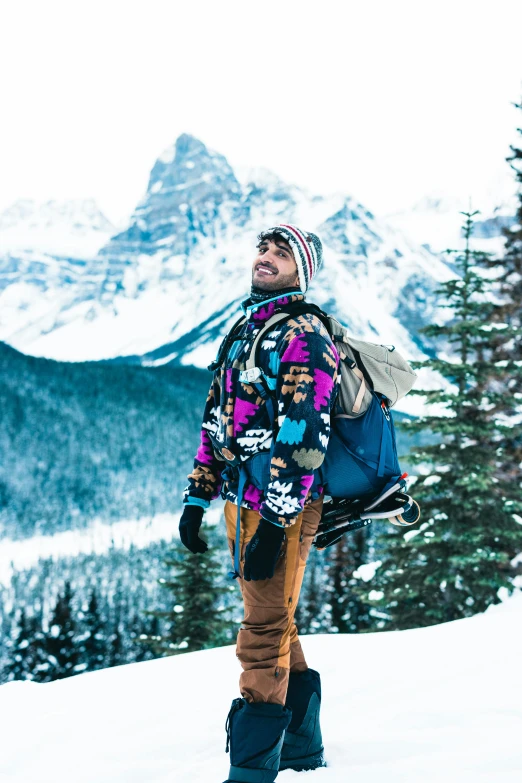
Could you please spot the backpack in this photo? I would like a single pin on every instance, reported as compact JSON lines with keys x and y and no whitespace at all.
{"x":361,"y":458}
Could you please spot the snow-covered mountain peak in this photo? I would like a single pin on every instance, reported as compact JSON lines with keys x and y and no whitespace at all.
{"x":259,"y":176}
{"x":188,"y":162}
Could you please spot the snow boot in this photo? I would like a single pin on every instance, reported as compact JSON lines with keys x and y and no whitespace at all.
{"x":303,"y":744}
{"x":255,"y":733}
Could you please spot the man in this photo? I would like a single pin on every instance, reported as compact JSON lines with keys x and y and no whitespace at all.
{"x":279,"y":446}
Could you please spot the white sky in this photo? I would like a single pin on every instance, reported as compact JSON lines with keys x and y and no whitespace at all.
{"x":387,"y":101}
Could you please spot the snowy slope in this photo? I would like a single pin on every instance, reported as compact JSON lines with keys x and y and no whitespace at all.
{"x":186,"y":255}
{"x":74,"y":228}
{"x":437,"y":705}
{"x":46,"y":252}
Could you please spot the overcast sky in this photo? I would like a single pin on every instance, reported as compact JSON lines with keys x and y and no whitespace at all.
{"x":388,"y":101}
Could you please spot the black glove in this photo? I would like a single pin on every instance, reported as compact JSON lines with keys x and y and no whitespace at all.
{"x":262,"y":551}
{"x":189,"y":525}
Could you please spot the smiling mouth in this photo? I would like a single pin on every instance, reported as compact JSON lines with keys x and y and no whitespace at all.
{"x":265,"y":270}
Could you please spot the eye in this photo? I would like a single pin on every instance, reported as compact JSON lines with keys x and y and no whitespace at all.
{"x":263,"y":248}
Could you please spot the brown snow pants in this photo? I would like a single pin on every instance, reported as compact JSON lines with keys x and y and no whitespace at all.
{"x":268,"y":647}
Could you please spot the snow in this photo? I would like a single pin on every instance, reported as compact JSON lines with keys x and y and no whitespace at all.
{"x":203,"y":354}
{"x":433,"y":704}
{"x":55,"y":241}
{"x":75,"y":228}
{"x":437,"y":221}
{"x":98,"y":538}
{"x":367,"y":570}
{"x":168,"y":155}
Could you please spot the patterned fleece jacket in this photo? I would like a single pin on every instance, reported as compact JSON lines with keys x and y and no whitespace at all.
{"x":301,"y":364}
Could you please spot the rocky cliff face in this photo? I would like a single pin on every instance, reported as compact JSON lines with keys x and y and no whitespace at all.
{"x":165,"y":288}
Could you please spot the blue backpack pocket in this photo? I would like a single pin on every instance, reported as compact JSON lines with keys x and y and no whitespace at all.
{"x":361,"y":456}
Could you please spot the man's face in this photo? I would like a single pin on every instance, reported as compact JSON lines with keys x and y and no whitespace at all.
{"x":274,"y":266}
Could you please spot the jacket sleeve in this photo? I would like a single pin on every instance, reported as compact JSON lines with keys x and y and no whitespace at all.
{"x":205,"y":479}
{"x":306,"y":382}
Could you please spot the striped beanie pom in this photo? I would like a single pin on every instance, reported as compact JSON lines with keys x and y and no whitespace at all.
{"x":306,"y":247}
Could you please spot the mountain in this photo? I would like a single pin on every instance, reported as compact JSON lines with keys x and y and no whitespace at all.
{"x":431,"y":704}
{"x":166,"y":287}
{"x":45,"y":263}
{"x":93,"y":441}
{"x":76,"y":228}
{"x":435,"y":222}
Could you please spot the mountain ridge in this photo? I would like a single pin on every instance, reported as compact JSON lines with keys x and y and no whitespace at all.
{"x":184,"y":260}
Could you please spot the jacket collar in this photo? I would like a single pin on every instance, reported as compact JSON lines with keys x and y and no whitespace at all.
{"x":262,"y":311}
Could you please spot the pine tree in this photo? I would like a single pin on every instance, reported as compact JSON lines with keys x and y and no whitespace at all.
{"x":349,"y":614}
{"x":313,"y":612}
{"x":116,"y":655}
{"x":61,"y":643}
{"x":116,"y":643}
{"x":508,"y":354}
{"x":27,"y":650}
{"x":93,"y":643}
{"x":198,"y":617}
{"x":453,"y":563}
{"x":140,"y":629}
{"x":511,"y":263}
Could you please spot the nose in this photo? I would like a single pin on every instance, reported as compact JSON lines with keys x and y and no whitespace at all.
{"x":269,"y":255}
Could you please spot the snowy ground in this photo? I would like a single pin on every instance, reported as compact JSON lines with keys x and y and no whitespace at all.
{"x":436,"y":705}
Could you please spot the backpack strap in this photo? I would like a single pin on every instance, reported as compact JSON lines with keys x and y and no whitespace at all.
{"x":251,"y":362}
{"x":360,"y":394}
{"x":240,"y":491}
{"x":232,"y":335}
{"x":303,"y":307}
{"x":362,"y":388}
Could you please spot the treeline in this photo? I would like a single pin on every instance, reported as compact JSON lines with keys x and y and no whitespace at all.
{"x":89,"y":440}
{"x":71,"y":615}
{"x":68,"y":615}
{"x":90,"y":606}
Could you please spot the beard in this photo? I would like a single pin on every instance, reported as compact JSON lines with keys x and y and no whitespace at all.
{"x":274,"y":282}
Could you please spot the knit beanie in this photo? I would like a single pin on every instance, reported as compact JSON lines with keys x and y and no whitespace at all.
{"x":306,"y":247}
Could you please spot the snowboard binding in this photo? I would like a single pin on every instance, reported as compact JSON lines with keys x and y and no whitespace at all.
{"x":341,"y":515}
